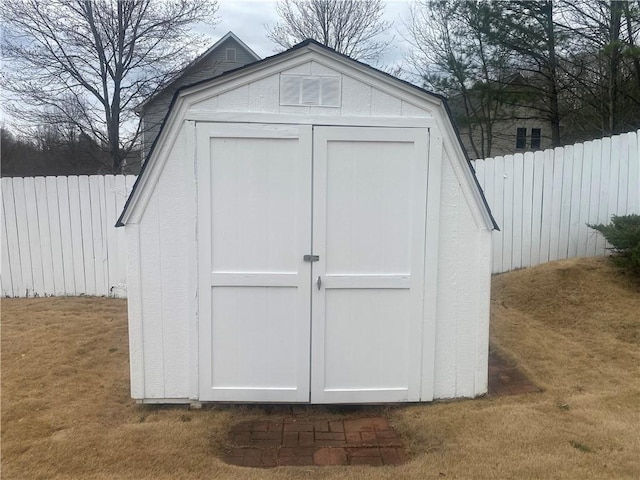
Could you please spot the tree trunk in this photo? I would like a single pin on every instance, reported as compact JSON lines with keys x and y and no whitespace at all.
{"x":636,"y":57}
{"x":615,"y":16}
{"x":552,"y":80}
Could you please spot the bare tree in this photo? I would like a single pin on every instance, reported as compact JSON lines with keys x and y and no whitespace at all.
{"x":606,"y":64}
{"x":89,"y":62}
{"x":531,"y":32}
{"x":451,"y":55}
{"x":351,"y":27}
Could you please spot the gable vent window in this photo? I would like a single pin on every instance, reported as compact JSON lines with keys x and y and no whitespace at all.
{"x":309,"y":90}
{"x":231,"y":55}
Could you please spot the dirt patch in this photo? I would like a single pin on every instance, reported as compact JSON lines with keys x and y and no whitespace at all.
{"x":569,"y":326}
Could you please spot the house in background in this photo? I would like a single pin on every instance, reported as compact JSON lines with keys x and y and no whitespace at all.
{"x":226,"y":54}
{"x":508,"y":125}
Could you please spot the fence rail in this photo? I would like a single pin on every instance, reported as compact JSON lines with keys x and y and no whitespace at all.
{"x":58,"y":235}
{"x":544,"y":200}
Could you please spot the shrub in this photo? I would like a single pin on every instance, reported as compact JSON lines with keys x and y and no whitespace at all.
{"x":623,"y":234}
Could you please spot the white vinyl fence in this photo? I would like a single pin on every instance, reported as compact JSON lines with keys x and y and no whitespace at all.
{"x":58,"y":235}
{"x":544,"y":200}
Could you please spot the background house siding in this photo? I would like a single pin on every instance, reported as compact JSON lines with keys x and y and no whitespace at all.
{"x":504,"y":135}
{"x":215,"y":63}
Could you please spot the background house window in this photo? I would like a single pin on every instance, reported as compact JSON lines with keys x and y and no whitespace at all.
{"x":521,"y":138}
{"x":231,"y":55}
{"x":535,"y":138}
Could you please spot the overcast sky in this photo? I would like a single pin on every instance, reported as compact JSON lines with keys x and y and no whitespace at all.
{"x":247,"y":19}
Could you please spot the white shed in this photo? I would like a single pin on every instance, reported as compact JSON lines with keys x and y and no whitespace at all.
{"x":307,"y":229}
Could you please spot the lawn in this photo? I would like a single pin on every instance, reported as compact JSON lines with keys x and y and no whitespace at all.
{"x":573,"y":327}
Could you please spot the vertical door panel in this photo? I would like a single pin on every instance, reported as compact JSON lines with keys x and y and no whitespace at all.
{"x":363,"y":326}
{"x":254,"y":216}
{"x":369,"y":230}
{"x":257,"y":327}
{"x":254,"y":184}
{"x":366,"y":204}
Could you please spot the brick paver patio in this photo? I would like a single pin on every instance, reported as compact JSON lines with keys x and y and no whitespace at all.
{"x":295,"y":440}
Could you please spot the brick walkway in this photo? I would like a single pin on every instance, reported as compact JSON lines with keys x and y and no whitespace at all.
{"x":295,"y":441}
{"x":505,"y":379}
{"x":365,"y":441}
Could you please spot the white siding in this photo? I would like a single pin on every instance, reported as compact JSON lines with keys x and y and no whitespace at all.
{"x":463,"y":295}
{"x":166,"y":232}
{"x":320,"y":69}
{"x":236,"y":100}
{"x":263,"y":95}
{"x":175,"y":219}
{"x":356,"y":97}
{"x":410,"y":110}
{"x":134,"y":309}
{"x":385,"y":105}
{"x":151,"y":297}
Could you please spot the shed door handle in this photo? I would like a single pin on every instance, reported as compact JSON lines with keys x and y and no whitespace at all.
{"x":319,"y":282}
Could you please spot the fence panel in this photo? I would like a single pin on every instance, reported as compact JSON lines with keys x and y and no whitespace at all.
{"x":544,"y":201}
{"x":54,"y":231}
{"x":634,"y":169}
{"x":536,"y":207}
{"x":58,"y":236}
{"x":594,"y":199}
{"x":6,"y":281}
{"x":11,"y":245}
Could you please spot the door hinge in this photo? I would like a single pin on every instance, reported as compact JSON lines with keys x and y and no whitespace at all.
{"x":311,"y":258}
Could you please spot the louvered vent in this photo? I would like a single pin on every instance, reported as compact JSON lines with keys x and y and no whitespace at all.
{"x":309,"y":90}
{"x":310,"y":93}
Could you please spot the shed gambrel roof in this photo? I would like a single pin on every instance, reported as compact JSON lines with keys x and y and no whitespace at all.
{"x":300,"y":49}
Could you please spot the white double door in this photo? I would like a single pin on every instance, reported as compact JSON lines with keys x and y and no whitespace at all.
{"x":311,"y":244}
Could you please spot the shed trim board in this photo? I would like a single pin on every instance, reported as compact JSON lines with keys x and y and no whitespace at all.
{"x":432,"y":236}
{"x":192,"y":258}
{"x":237,"y":190}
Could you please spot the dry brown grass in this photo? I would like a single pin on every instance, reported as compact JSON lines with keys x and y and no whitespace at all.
{"x":572,"y":326}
